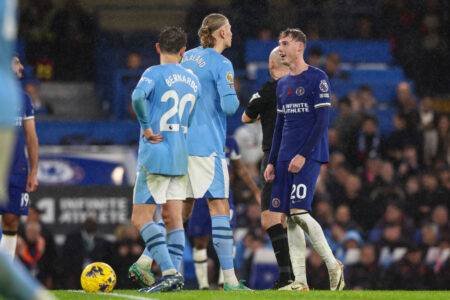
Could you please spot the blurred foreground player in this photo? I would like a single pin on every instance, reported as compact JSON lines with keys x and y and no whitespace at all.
{"x":208,"y":172}
{"x":300,"y":147}
{"x":163,"y":101}
{"x":263,"y":106}
{"x":15,"y":282}
{"x":23,"y":179}
{"x":199,"y":226}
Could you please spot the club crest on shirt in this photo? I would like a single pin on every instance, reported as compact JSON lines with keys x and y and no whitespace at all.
{"x":230,"y":79}
{"x":276,"y":202}
{"x":300,"y":91}
{"x":323,"y":86}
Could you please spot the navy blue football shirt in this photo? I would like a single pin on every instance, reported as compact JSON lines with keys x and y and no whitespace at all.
{"x":299,"y":99}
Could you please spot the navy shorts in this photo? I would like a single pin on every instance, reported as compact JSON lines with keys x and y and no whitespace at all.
{"x":18,"y":201}
{"x":200,"y":221}
{"x":291,"y":190}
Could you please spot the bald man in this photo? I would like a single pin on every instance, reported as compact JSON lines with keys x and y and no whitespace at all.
{"x":262,"y":106}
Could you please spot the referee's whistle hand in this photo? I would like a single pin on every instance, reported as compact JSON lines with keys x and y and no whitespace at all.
{"x":269,"y":173}
{"x":296,"y":164}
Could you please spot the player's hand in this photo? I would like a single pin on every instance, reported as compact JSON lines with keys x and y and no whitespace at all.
{"x":269,"y":173}
{"x":32,"y":183}
{"x":151,"y":137}
{"x":296,"y":164}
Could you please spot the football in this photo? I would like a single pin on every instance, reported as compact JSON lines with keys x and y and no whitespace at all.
{"x":98,"y":277}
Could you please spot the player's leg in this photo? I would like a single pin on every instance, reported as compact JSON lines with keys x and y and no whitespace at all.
{"x":172,"y":213}
{"x":8,"y":242}
{"x":172,"y":216}
{"x":149,"y":191}
{"x":200,"y":255}
{"x":297,"y":248}
{"x":16,"y":207}
{"x":199,"y":229}
{"x":272,"y":223}
{"x":301,"y":196}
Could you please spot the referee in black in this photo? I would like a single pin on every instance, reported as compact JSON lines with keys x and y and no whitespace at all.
{"x":263,"y":106}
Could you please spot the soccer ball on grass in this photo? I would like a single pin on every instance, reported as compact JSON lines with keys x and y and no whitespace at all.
{"x":98,"y":277}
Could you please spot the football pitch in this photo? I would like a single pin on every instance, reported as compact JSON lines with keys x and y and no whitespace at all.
{"x":258,"y":295}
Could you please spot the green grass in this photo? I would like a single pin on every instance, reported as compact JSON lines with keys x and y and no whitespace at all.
{"x":259,"y":295}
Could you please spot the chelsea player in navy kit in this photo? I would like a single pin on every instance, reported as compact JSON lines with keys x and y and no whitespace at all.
{"x":300,"y":147}
{"x":23,"y":175}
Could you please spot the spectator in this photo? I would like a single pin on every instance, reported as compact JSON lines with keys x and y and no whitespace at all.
{"x":407,"y":105}
{"x":31,"y":250}
{"x":369,"y":140}
{"x":32,"y":87}
{"x":343,"y":218}
{"x":315,"y":57}
{"x":333,"y":67}
{"x":409,"y":273}
{"x":437,"y":144}
{"x":392,"y":245}
{"x":323,"y":213}
{"x":126,"y":250}
{"x":393,"y":215}
{"x":316,"y":272}
{"x":399,"y":138}
{"x":365,"y":275}
{"x":431,"y":194}
{"x":439,"y":217}
{"x":82,"y":247}
{"x":350,"y":252}
{"x":426,"y":113}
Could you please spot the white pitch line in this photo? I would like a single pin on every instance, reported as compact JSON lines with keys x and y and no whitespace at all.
{"x":114,"y":295}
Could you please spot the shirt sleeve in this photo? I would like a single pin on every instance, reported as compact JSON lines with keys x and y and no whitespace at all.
{"x":28,"y":112}
{"x":321,"y":92}
{"x":225,"y":78}
{"x":225,"y":87}
{"x":278,"y":131}
{"x":139,"y":97}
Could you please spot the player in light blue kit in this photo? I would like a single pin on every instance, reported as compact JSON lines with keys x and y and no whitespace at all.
{"x":299,"y":148}
{"x":199,"y":228}
{"x":15,"y":283}
{"x":208,"y":172}
{"x":163,"y":101}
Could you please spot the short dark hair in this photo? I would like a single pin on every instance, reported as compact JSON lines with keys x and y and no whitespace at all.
{"x":172,"y":39}
{"x":294,"y":33}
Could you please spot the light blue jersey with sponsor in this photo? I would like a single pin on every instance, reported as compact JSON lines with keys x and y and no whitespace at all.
{"x":163,"y":100}
{"x":10,"y":104}
{"x":218,"y":99}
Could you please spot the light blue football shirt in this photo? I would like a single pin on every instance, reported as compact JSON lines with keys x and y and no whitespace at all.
{"x":10,"y":101}
{"x":207,"y":133}
{"x":171,"y":92}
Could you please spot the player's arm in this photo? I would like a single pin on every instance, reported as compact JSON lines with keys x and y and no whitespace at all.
{"x":32,"y":144}
{"x":322,"y":106}
{"x":143,"y":89}
{"x":269,"y":173}
{"x":229,"y":101}
{"x":243,"y":173}
{"x":253,"y":109}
